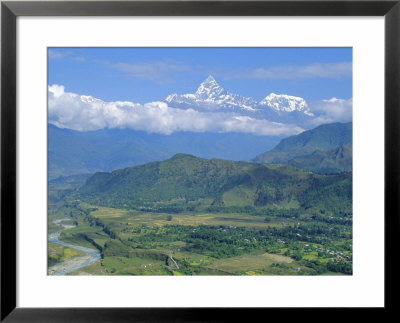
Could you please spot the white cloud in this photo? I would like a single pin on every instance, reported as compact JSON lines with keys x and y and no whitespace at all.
{"x":84,"y":113}
{"x":316,"y":70}
{"x":332,"y":110}
{"x":56,"y":54}
{"x":154,"y":71}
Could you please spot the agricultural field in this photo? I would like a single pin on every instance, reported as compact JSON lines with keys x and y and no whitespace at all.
{"x":134,"y":242}
{"x":58,"y":253}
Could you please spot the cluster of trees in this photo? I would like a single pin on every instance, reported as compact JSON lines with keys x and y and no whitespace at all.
{"x":227,"y":241}
{"x":268,"y":195}
{"x":262,"y":211}
{"x":168,"y":208}
{"x":340,"y":266}
{"x":332,"y":220}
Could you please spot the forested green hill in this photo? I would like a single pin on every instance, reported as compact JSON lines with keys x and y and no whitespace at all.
{"x":322,"y":138}
{"x":336,"y":160}
{"x":185,"y":182}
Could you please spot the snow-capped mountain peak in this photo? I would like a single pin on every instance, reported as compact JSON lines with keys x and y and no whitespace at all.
{"x":286,"y":103}
{"x":209,"y":81}
{"x":209,"y":89}
{"x":211,"y":96}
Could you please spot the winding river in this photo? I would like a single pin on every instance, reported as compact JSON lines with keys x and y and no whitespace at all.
{"x":94,"y":255}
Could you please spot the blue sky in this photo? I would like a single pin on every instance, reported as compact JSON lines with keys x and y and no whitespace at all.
{"x":148,"y":74}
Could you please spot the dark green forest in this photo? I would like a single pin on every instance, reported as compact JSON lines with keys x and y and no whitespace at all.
{"x":188,"y":183}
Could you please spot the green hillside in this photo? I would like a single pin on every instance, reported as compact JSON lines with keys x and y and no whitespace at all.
{"x":323,"y":138}
{"x":336,"y":160}
{"x":185,"y":182}
{"x":62,"y":186}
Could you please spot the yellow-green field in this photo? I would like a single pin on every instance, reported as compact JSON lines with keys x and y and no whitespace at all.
{"x":135,"y":218}
{"x":96,"y":269}
{"x":58,"y":253}
{"x":249,"y":262}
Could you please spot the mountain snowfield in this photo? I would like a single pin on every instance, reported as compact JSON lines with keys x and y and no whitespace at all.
{"x":210,"y":96}
{"x":210,"y":109}
{"x":287,"y":103}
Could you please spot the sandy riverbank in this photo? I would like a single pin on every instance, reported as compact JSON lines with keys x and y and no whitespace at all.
{"x":68,"y":265}
{"x":74,"y":263}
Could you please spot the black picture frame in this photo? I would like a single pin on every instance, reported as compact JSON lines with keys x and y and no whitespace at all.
{"x":10,"y":10}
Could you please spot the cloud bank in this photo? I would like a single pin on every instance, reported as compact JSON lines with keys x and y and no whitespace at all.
{"x":85,"y":113}
{"x":332,"y":110}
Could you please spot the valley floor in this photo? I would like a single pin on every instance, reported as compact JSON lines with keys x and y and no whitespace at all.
{"x":131,"y":242}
